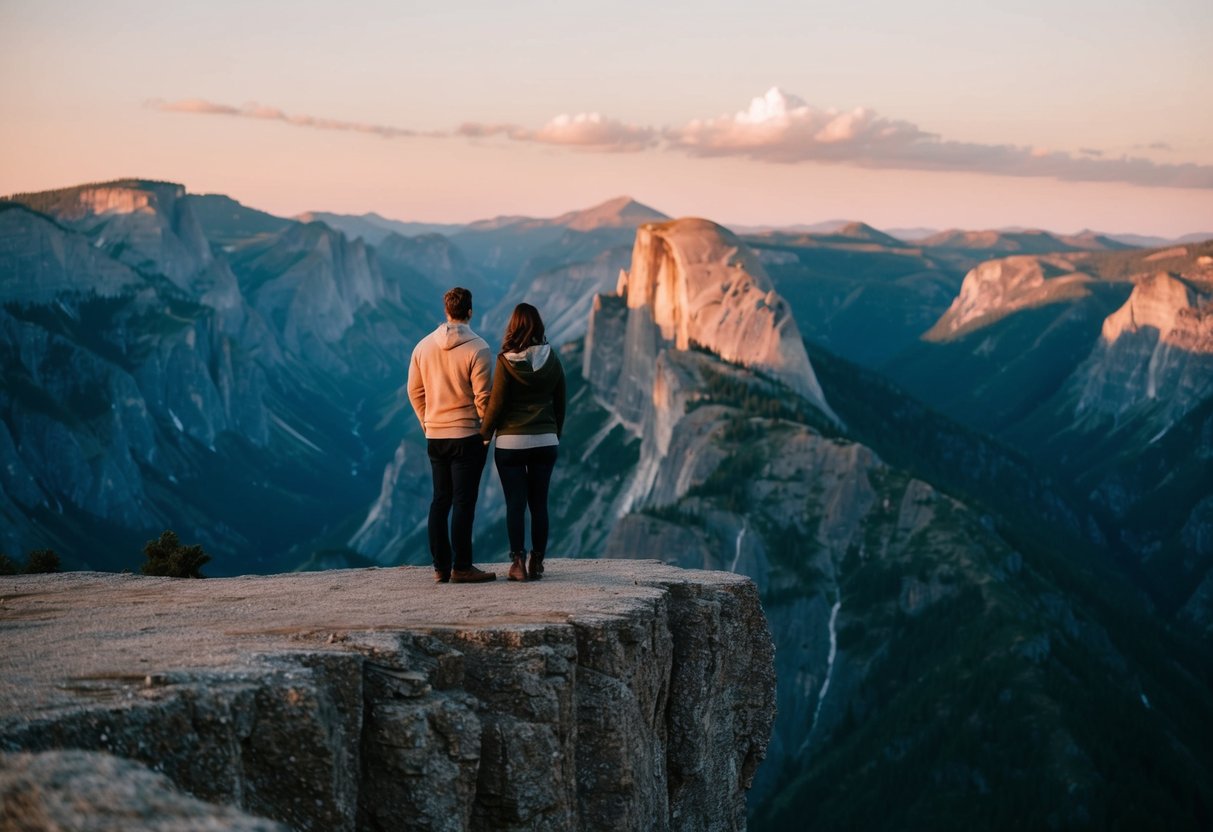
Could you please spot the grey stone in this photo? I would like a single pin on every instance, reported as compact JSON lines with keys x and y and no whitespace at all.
{"x":614,"y":695}
{"x":88,"y":791}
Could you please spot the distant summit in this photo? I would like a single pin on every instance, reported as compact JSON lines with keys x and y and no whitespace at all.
{"x":620,"y":212}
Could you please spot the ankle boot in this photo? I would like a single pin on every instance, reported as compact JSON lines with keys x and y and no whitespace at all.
{"x":517,"y":566}
{"x":535,"y":570}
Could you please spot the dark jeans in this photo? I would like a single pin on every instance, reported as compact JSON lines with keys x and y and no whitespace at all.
{"x":456,"y":465}
{"x":525,"y":476}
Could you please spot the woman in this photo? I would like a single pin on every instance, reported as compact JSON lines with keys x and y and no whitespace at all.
{"x":527,"y":411}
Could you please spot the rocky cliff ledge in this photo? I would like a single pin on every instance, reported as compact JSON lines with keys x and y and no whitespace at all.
{"x":613,"y":695}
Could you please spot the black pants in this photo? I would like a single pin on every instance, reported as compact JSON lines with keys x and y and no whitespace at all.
{"x":525,"y":476}
{"x":456,"y":465}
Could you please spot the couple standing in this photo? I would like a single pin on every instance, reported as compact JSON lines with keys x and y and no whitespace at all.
{"x":449,"y":388}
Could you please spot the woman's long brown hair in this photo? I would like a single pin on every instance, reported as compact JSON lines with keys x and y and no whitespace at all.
{"x":525,"y":329}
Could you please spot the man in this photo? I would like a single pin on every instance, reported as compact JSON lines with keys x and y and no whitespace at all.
{"x":449,"y":390}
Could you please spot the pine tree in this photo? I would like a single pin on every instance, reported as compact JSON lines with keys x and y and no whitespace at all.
{"x":42,"y":560}
{"x":167,"y":557}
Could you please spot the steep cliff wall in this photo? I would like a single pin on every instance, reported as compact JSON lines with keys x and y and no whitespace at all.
{"x":1155,"y":352}
{"x":701,"y":287}
{"x":146,"y":225}
{"x":616,"y":695}
{"x":693,"y":288}
{"x":39,"y":262}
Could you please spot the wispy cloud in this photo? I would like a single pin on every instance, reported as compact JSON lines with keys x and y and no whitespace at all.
{"x":259,"y":111}
{"x":476,"y":130}
{"x":780,"y":128}
{"x":583,"y":131}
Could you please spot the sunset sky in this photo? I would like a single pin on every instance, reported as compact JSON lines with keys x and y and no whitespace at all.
{"x":1062,"y":115}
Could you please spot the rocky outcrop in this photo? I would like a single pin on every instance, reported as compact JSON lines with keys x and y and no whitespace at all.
{"x":695,"y":309}
{"x":701,"y":287}
{"x":89,"y":791}
{"x":997,"y":288}
{"x":624,"y":695}
{"x":1155,"y":352}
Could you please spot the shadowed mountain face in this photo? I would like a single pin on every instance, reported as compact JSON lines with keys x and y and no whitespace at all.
{"x":1097,"y":365}
{"x":859,"y":294}
{"x":225,"y":221}
{"x":155,"y":381}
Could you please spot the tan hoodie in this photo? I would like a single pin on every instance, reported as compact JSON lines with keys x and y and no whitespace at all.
{"x":449,"y":381}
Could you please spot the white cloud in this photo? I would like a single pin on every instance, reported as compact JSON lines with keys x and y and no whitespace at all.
{"x":592,"y":131}
{"x":779,"y":127}
{"x":584,"y":131}
{"x":782,"y":128}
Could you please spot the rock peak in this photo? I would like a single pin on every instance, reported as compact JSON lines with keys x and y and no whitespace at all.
{"x":704,"y":288}
{"x":620,"y":212}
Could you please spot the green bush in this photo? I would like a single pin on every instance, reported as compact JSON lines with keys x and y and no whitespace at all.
{"x":168,"y":558}
{"x":42,"y":560}
{"x":8,"y":566}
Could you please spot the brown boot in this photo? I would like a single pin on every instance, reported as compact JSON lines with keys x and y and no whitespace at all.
{"x":535,"y":570}
{"x":471,"y":575}
{"x":517,"y":566}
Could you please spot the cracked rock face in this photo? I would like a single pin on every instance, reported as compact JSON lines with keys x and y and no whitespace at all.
{"x":693,"y":284}
{"x":613,"y":695}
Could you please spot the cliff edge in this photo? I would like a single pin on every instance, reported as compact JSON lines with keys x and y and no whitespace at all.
{"x":614,"y":694}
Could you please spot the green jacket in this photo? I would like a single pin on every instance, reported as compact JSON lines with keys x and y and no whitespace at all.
{"x":528,"y":394}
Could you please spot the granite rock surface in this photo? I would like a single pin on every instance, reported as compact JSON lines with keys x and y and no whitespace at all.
{"x":612,"y":695}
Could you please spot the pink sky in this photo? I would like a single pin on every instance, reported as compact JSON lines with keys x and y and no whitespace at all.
{"x":1046,"y":117}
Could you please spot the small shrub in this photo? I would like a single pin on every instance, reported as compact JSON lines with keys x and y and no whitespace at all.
{"x":8,"y":566}
{"x":168,"y":558}
{"x":42,"y":560}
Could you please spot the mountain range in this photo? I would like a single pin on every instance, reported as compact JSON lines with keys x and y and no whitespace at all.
{"x":970,"y":474}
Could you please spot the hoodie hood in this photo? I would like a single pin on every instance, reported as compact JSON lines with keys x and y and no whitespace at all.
{"x":532,"y":358}
{"x":451,"y":335}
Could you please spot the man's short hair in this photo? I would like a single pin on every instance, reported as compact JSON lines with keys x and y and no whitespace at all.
{"x":458,"y":303}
